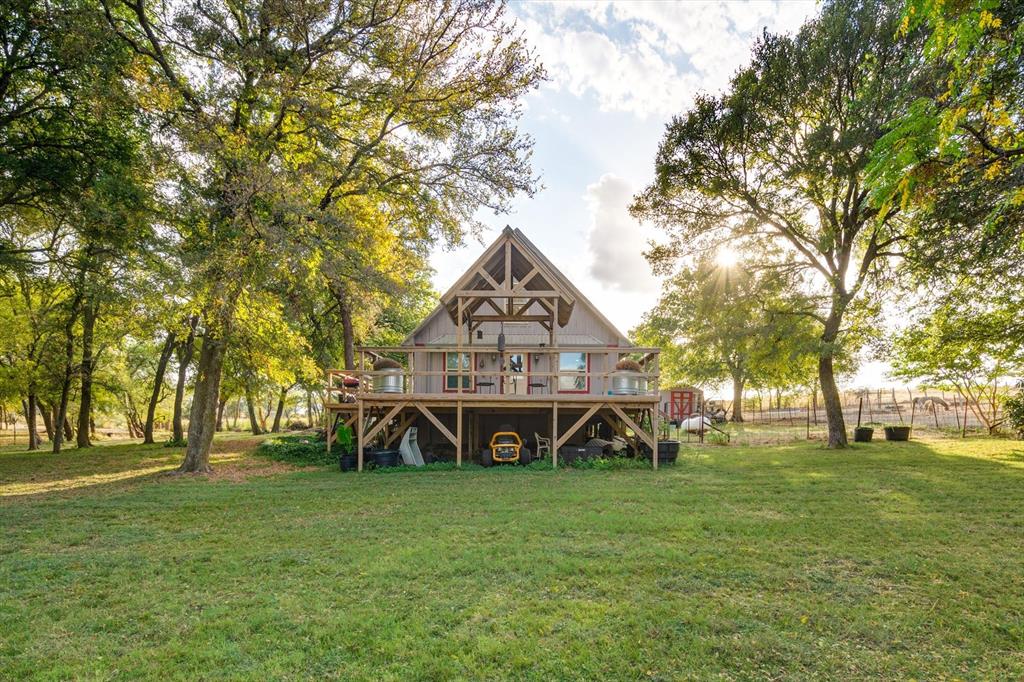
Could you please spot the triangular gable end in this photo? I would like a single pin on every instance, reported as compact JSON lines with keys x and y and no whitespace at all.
{"x":513,"y":269}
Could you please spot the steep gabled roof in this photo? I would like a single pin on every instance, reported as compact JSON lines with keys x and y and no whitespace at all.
{"x":530,"y":271}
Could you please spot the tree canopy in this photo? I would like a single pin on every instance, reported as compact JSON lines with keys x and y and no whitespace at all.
{"x":781,"y":159}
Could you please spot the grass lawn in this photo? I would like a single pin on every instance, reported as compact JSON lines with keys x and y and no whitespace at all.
{"x":889,"y":560}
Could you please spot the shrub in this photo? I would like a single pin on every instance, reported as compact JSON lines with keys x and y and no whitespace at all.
{"x":433,"y":466}
{"x":171,"y":443}
{"x":627,"y":364}
{"x":297,"y":425}
{"x":1013,"y":408}
{"x":386,"y":363}
{"x":716,"y":438}
{"x":610,"y":463}
{"x":300,"y":450}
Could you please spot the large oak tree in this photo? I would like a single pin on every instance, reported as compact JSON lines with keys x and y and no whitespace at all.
{"x":281,"y":111}
{"x":781,"y":156}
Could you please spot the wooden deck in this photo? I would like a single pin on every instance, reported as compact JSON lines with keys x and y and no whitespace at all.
{"x":384,"y":417}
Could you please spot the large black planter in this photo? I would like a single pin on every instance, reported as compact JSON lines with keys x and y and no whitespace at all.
{"x":863,"y":434}
{"x":668,"y":451}
{"x":348,"y":462}
{"x":386,"y":458}
{"x":897,"y":433}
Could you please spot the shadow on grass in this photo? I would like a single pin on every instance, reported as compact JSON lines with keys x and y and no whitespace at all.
{"x":42,"y":473}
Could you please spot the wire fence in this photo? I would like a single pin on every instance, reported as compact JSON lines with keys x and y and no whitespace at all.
{"x":922,"y":409}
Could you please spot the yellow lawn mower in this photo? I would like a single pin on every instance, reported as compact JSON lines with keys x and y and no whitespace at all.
{"x":506,"y":448}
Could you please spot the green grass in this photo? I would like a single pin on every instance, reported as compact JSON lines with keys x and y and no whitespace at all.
{"x":892,"y":560}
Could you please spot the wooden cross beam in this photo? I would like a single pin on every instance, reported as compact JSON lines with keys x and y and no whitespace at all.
{"x":487,"y":277}
{"x":521,"y":285}
{"x":644,"y":436}
{"x":384,"y":421}
{"x":437,"y":422}
{"x":403,"y":424}
{"x":579,"y":423}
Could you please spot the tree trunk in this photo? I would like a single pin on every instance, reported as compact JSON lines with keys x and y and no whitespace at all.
{"x":347,"y":332}
{"x":737,"y":399}
{"x":341,"y":295}
{"x":185,"y":351}
{"x":276,"y":428}
{"x":47,"y":414}
{"x":85,"y":403}
{"x":202,"y":417}
{"x":221,"y":404}
{"x":829,"y":390}
{"x":61,"y":413}
{"x":158,"y":384}
{"x":30,"y":422}
{"x":250,"y":406}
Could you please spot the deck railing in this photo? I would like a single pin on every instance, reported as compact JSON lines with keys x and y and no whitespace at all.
{"x":345,"y":385}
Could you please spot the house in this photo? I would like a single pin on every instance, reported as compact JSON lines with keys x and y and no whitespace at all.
{"x":513,"y":342}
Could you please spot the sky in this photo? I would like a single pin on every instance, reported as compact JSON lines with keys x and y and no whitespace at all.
{"x":617,"y":73}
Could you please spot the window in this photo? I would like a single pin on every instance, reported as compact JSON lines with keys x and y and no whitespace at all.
{"x":451,"y":367}
{"x":572,"y":373}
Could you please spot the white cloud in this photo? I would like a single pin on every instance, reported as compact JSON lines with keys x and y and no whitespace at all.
{"x":650,"y":58}
{"x":616,"y":240}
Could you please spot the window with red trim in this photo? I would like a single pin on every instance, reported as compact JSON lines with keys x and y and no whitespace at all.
{"x":573,"y":372}
{"x":451,"y":368}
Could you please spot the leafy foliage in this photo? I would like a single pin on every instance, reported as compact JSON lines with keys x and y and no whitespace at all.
{"x":781,"y":158}
{"x":956,"y":157}
{"x":300,"y":449}
{"x":957,"y":346}
{"x":731,"y":323}
{"x":1013,"y":408}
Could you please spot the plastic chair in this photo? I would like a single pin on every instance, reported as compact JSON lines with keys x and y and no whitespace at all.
{"x":542,"y":444}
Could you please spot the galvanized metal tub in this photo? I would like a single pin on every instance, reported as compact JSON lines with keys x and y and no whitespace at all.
{"x":390,"y":382}
{"x":627,"y":382}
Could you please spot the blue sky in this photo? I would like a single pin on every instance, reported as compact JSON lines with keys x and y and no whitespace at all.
{"x":617,"y":73}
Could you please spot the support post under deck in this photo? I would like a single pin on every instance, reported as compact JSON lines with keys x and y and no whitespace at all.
{"x":554,"y":435}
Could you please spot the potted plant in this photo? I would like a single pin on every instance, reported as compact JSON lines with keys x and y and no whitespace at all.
{"x":391,"y":379}
{"x":628,"y":378}
{"x":347,"y":460}
{"x":897,"y":432}
{"x":863,"y":434}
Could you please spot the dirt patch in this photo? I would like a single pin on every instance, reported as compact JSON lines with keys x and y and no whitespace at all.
{"x":238,"y":471}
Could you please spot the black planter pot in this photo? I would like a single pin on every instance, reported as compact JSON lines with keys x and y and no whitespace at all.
{"x":668,"y":451}
{"x":897,"y":433}
{"x":348,"y":462}
{"x":863,"y":434}
{"x":386,"y":458}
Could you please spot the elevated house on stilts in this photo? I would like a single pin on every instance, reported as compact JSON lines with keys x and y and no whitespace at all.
{"x":512,"y":343}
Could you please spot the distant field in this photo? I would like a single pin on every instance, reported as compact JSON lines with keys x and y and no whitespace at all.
{"x":889,"y":560}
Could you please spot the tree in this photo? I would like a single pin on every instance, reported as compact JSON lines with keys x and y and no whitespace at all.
{"x":782,"y":157}
{"x":955,"y":159}
{"x":719,"y":321}
{"x":284,"y":114}
{"x":959,"y":346}
{"x":954,"y":162}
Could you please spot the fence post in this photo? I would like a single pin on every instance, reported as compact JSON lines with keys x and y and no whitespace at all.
{"x":963,"y":432}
